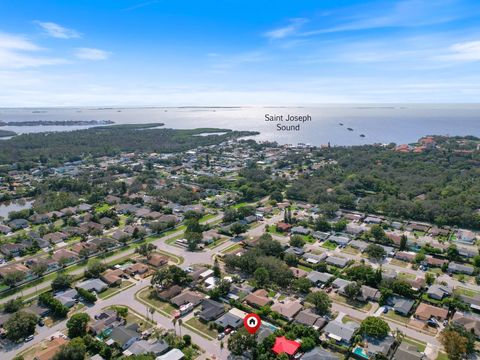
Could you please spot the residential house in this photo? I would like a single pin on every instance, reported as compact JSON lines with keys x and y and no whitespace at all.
{"x":454,"y":267}
{"x":425,"y":312}
{"x":229,"y":320}
{"x":65,"y":256}
{"x":320,"y":235}
{"x":105,"y":321}
{"x":287,"y":308}
{"x":339,"y":240}
{"x":13,"y":250}
{"x":314,"y":258}
{"x":145,"y":347}
{"x":186,"y":297}
{"x":468,"y":321}
{"x":340,"y":332}
{"x":336,"y":261}
{"x":157,"y":260}
{"x":438,"y":291}
{"x":136,"y":269}
{"x":4,"y":229}
{"x":466,"y":237}
{"x":17,"y":267}
{"x":407,"y":351}
{"x":125,"y":336}
{"x":359,"y":244}
{"x":96,"y":285}
{"x":112,"y":277}
{"x":211,"y":310}
{"x":284,"y":346}
{"x":300,"y":230}
{"x":55,"y":237}
{"x":319,"y":278}
{"x":405,"y":256}
{"x":18,"y":224}
{"x":169,"y":293}
{"x":401,"y":305}
{"x":258,"y":298}
{"x":368,"y":293}
{"x":376,"y":346}
{"x":174,"y":354}
{"x":308,"y":318}
{"x":68,"y":298}
{"x":319,"y":353}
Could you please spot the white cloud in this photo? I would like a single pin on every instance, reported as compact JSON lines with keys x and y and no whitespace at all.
{"x":58,"y":31}
{"x":466,"y":51}
{"x":17,"y":52}
{"x":91,"y":54}
{"x":285,"y":31}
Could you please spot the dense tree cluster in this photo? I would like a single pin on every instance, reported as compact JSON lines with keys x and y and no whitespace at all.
{"x":106,"y":141}
{"x":264,"y":261}
{"x":438,"y":186}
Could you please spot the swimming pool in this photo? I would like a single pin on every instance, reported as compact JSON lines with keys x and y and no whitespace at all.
{"x":359,"y":351}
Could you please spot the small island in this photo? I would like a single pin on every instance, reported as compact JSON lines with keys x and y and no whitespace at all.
{"x":57,"y":123}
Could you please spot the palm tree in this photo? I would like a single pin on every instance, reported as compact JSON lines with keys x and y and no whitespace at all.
{"x":174,"y":322}
{"x":152,"y":311}
{"x":180,"y":321}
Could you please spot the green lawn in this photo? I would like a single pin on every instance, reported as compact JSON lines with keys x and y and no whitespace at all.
{"x":231,"y":248}
{"x":103,"y":208}
{"x":114,"y":290}
{"x":147,"y":296}
{"x":272,"y":229}
{"x":329,"y":245}
{"x":392,"y":315}
{"x":305,"y":268}
{"x":207,"y":217}
{"x":400,"y":263}
{"x":420,"y":345}
{"x":442,"y":356}
{"x":200,"y":328}
{"x":350,"y":250}
{"x":467,"y":292}
{"x":406,"y":276}
{"x":347,"y":318}
{"x":362,"y":306}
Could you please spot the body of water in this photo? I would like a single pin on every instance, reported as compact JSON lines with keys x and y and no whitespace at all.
{"x":378,"y":123}
{"x":8,"y":207}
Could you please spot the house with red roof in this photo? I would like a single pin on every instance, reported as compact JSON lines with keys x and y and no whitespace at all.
{"x":283,"y":345}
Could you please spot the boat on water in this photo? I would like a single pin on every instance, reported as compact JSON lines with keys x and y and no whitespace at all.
{"x":362,"y":135}
{"x":349,"y":129}
{"x":341,"y":124}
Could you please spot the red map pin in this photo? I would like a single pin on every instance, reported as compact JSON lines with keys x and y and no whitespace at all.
{"x":252,"y":323}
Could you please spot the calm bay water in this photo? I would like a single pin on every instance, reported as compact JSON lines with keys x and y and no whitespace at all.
{"x":379,"y":123}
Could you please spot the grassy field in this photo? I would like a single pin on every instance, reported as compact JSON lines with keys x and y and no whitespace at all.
{"x":406,"y":276}
{"x":114,"y":290}
{"x":200,"y":328}
{"x":305,"y":268}
{"x":392,"y":315}
{"x":347,"y":318}
{"x":329,"y":245}
{"x":145,"y":296}
{"x":207,"y":217}
{"x":350,"y":250}
{"x":365,"y":307}
{"x":420,"y":345}
{"x":232,"y":248}
{"x":467,"y":292}
{"x":442,"y":356}
{"x":400,"y":263}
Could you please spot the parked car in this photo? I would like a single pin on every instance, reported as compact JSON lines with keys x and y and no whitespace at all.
{"x":29,"y":338}
{"x":220,"y":336}
{"x":228,"y":330}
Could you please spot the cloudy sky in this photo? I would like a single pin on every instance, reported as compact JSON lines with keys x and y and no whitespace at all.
{"x":238,"y":52}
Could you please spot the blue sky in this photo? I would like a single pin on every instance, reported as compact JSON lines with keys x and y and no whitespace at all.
{"x":242,"y":52}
